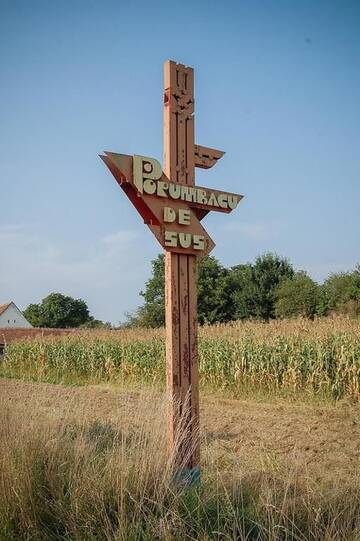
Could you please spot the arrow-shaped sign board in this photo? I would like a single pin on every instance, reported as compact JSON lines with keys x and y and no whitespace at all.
{"x":171,"y":210}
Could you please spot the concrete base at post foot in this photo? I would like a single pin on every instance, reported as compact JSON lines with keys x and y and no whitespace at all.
{"x":187,"y":477}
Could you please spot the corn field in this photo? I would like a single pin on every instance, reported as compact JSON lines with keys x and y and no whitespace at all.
{"x":321,"y":357}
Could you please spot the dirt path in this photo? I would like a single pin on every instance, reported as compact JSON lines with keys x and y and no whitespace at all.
{"x":322,"y":440}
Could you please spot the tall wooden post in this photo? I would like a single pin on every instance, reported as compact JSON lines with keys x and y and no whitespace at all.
{"x":173,"y":207}
{"x":180,"y":280}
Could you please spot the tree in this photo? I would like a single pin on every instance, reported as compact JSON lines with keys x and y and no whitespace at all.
{"x":242,"y":292}
{"x":34,"y":315}
{"x":213,"y":302}
{"x":213,"y":294}
{"x":58,"y":311}
{"x":253,"y":286}
{"x":152,"y":313}
{"x":297,"y":296}
{"x":269,"y":271}
{"x":93,"y":323}
{"x":341,"y":293}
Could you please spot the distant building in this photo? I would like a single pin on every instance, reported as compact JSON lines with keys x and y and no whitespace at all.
{"x":10,"y":316}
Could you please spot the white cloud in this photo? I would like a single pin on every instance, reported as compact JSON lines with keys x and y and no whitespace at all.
{"x":120,"y":238}
{"x":253,"y":231}
{"x":108,"y":272}
{"x":321,"y":271}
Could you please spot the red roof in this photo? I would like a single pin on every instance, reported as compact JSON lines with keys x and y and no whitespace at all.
{"x":3,"y":307}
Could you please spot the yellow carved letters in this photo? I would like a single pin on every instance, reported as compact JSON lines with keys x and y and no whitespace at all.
{"x":185,"y":240}
{"x":212,"y":200}
{"x":233,"y":201}
{"x":162,"y":188}
{"x":149,"y":186}
{"x":201,"y":196}
{"x":144,"y":167}
{"x":171,"y":239}
{"x":184,"y":217}
{"x":199,"y":242}
{"x":223,"y":200}
{"x":169,"y":215}
{"x":174,"y":191}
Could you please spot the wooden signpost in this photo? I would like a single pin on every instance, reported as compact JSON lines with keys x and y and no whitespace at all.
{"x":173,"y":207}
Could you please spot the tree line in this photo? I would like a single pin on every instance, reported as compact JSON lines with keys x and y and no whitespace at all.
{"x":58,"y":311}
{"x":266,"y":289}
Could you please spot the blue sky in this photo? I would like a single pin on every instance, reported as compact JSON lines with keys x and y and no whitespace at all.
{"x":277,"y":88}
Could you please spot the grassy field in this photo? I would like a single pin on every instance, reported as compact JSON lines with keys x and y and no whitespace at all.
{"x":89,"y":462}
{"x":320,"y":358}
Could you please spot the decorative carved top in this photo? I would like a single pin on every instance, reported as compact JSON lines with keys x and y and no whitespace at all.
{"x":206,"y":157}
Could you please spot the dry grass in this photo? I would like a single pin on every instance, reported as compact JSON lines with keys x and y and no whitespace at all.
{"x":70,"y":477}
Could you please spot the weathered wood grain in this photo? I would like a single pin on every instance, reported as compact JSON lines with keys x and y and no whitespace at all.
{"x":180,"y":273}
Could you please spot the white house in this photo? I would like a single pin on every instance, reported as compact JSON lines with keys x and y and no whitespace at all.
{"x":10,"y":316}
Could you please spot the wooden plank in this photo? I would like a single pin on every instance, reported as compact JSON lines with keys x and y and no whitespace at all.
{"x":190,"y":157}
{"x":172,"y":344}
{"x":206,"y":157}
{"x":190,"y":128}
{"x":181,"y":148}
{"x":170,"y":121}
{"x":193,"y":361}
{"x":180,"y":271}
{"x":184,"y":351}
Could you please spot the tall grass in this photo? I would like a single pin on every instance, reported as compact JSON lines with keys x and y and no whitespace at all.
{"x":321,"y":357}
{"x":81,"y":480}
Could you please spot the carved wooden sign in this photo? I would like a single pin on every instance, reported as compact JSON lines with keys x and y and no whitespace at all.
{"x":173,"y":207}
{"x":171,"y":210}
